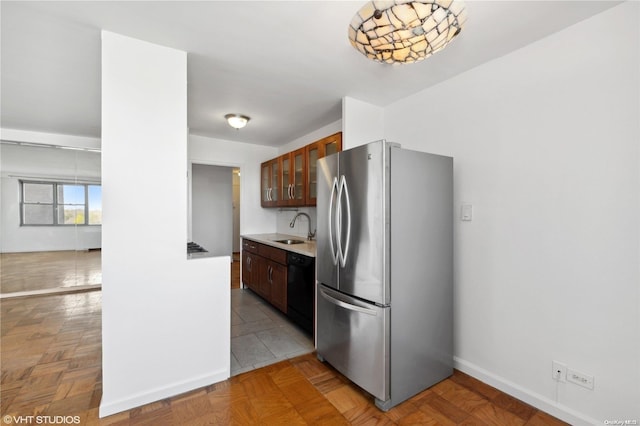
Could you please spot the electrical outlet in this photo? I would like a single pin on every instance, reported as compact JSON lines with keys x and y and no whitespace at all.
{"x":559,"y":371}
{"x":579,"y":378}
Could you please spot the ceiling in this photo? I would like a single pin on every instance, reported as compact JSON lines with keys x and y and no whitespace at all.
{"x":286,"y":64}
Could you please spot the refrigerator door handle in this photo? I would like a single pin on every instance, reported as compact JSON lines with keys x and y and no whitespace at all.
{"x":348,"y":306}
{"x":334,"y":252}
{"x":344,"y":253}
{"x":339,"y":221}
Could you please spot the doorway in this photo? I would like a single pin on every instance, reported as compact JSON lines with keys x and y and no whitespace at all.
{"x":215,"y":212}
{"x":235,"y":259}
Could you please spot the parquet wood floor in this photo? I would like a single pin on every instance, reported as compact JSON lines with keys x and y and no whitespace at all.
{"x":49,"y":269}
{"x":235,"y":271}
{"x":51,"y":365}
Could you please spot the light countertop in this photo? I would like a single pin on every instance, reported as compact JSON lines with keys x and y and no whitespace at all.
{"x":200,"y":255}
{"x":308,"y":248}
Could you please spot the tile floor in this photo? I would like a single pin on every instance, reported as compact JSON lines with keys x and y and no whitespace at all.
{"x":261,"y":335}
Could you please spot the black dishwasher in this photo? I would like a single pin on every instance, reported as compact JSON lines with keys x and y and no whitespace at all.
{"x":301,"y":290}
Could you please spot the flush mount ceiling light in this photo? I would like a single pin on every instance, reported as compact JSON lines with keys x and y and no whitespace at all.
{"x":405,"y":31}
{"x":237,"y":121}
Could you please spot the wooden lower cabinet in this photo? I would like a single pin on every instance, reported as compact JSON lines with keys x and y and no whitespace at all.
{"x":266,"y":273}
{"x":263,"y":284}
{"x":250,"y":268}
{"x":278,"y":282}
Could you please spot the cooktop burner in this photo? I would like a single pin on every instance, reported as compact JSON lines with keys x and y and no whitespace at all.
{"x":195,"y":248}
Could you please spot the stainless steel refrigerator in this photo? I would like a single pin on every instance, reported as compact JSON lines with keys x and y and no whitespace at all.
{"x":385,"y":269}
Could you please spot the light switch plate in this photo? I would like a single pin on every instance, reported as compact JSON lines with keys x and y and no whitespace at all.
{"x":466,"y":212}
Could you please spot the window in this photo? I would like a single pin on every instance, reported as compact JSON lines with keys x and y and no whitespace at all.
{"x":58,"y":203}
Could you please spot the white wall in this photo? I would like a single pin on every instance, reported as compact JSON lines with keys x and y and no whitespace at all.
{"x":165,"y":319}
{"x":248,"y":157}
{"x":362,"y":123}
{"x":45,"y":164}
{"x":545,"y":147}
{"x":212,"y":208}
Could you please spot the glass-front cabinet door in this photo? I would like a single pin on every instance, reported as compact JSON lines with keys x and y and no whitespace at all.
{"x":293,"y":175}
{"x":322,"y":148}
{"x":286,"y":180}
{"x":298,"y":186}
{"x":265,"y":185}
{"x":313,"y":153}
{"x":331,"y":144}
{"x":275,"y":180}
{"x":269,"y":183}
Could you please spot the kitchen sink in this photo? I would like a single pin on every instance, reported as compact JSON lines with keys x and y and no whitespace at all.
{"x":289,"y":241}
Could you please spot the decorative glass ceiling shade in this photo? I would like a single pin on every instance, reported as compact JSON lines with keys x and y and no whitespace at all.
{"x":405,"y":31}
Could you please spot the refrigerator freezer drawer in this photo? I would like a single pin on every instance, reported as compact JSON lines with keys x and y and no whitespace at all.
{"x":352,"y":336}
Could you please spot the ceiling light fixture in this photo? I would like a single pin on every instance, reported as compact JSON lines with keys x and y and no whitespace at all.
{"x":237,"y":121}
{"x":405,"y":31}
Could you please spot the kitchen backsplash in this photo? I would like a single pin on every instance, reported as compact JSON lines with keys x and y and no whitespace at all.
{"x":301,"y":227}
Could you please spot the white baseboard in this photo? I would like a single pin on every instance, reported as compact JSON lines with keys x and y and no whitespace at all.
{"x":534,"y":399}
{"x":108,"y":408}
{"x":52,"y":291}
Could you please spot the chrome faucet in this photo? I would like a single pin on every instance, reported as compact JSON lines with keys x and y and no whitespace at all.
{"x":310,"y":234}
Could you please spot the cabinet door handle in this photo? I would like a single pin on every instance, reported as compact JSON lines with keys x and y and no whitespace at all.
{"x":270,"y":274}
{"x":248,"y":264}
{"x":293,"y":192}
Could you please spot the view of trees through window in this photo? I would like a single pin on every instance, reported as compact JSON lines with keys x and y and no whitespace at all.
{"x":58,"y":203}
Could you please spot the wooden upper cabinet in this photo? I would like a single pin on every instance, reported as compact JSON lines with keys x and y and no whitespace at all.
{"x":285,"y":182}
{"x":293,"y":178}
{"x":265,"y":184}
{"x":330,"y":144}
{"x":322,"y":148}
{"x":290,"y":180}
{"x":313,"y":153}
{"x":270,"y":178}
